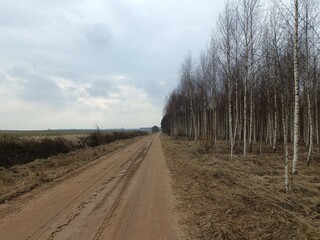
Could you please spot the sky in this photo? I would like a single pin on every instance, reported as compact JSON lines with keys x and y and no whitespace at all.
{"x":79,"y":63}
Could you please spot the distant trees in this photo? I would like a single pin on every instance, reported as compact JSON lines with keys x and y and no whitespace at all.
{"x":257,"y":81}
{"x":165,"y":124}
{"x":155,"y":129}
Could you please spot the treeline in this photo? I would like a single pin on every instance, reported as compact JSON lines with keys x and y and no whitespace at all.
{"x":257,"y":81}
{"x":17,"y":151}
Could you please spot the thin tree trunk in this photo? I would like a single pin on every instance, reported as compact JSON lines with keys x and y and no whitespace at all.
{"x":229,"y":103}
{"x":230,"y":117}
{"x":245,"y":102}
{"x":261,"y":139}
{"x":316,"y":99}
{"x":237,"y":116}
{"x":215,"y":123}
{"x":285,"y":143}
{"x":193,"y":117}
{"x":251,"y":119}
{"x":308,"y":83}
{"x":240,"y":122}
{"x":275,"y":123}
{"x":254,"y":127}
{"x":310,"y":129}
{"x":296,"y":94}
{"x":317,"y":119}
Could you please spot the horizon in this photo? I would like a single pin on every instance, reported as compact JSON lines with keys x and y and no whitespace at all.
{"x":74,"y":129}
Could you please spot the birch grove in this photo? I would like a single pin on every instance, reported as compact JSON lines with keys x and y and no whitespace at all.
{"x":257,"y":83}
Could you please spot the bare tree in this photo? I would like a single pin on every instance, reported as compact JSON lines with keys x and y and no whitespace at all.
{"x":226,"y":23}
{"x":296,"y":90}
{"x":207,"y":104}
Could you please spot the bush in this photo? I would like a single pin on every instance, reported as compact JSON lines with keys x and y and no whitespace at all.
{"x":18,"y":151}
{"x":98,"y":138}
{"x":15,"y":151}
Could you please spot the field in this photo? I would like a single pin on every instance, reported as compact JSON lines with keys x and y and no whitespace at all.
{"x":59,"y":132}
{"x":223,"y":198}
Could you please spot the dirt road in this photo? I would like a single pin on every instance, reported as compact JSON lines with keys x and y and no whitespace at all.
{"x":124,"y":195}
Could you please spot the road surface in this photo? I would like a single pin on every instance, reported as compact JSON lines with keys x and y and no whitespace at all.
{"x":124,"y":195}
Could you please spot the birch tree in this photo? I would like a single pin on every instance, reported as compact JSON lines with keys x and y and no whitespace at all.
{"x":296,"y":90}
{"x":243,"y":90}
{"x":226,"y":22}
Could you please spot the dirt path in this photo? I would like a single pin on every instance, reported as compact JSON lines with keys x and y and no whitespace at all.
{"x":126,"y":195}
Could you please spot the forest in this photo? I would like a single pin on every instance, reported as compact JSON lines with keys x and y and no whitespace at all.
{"x":256,"y":84}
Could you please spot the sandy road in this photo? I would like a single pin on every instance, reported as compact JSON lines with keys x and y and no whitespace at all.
{"x":125,"y":195}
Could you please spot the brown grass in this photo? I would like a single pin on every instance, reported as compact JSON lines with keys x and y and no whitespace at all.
{"x":223,"y":198}
{"x":20,"y":179}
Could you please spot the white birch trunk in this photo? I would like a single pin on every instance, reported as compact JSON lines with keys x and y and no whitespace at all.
{"x":310,"y":128}
{"x":245,"y":97}
{"x":308,"y":83}
{"x":275,"y":124}
{"x":251,"y":119}
{"x":296,"y":94}
{"x":285,"y":143}
{"x":237,"y":116}
{"x":230,"y":116}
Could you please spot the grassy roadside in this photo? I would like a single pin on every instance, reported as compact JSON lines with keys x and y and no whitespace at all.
{"x":219,"y":198}
{"x":20,"y":179}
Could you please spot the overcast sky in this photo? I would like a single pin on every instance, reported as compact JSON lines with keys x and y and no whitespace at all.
{"x":77,"y":63}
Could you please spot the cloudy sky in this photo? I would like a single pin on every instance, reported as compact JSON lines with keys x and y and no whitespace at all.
{"x":77,"y":63}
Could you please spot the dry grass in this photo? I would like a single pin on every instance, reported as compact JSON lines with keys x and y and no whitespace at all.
{"x":20,"y":179}
{"x":223,"y":198}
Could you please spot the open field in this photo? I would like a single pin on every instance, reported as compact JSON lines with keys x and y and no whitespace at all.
{"x":60,"y":132}
{"x":31,"y":133}
{"x":223,"y":198}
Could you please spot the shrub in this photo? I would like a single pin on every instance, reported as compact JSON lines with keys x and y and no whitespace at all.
{"x":18,"y":151}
